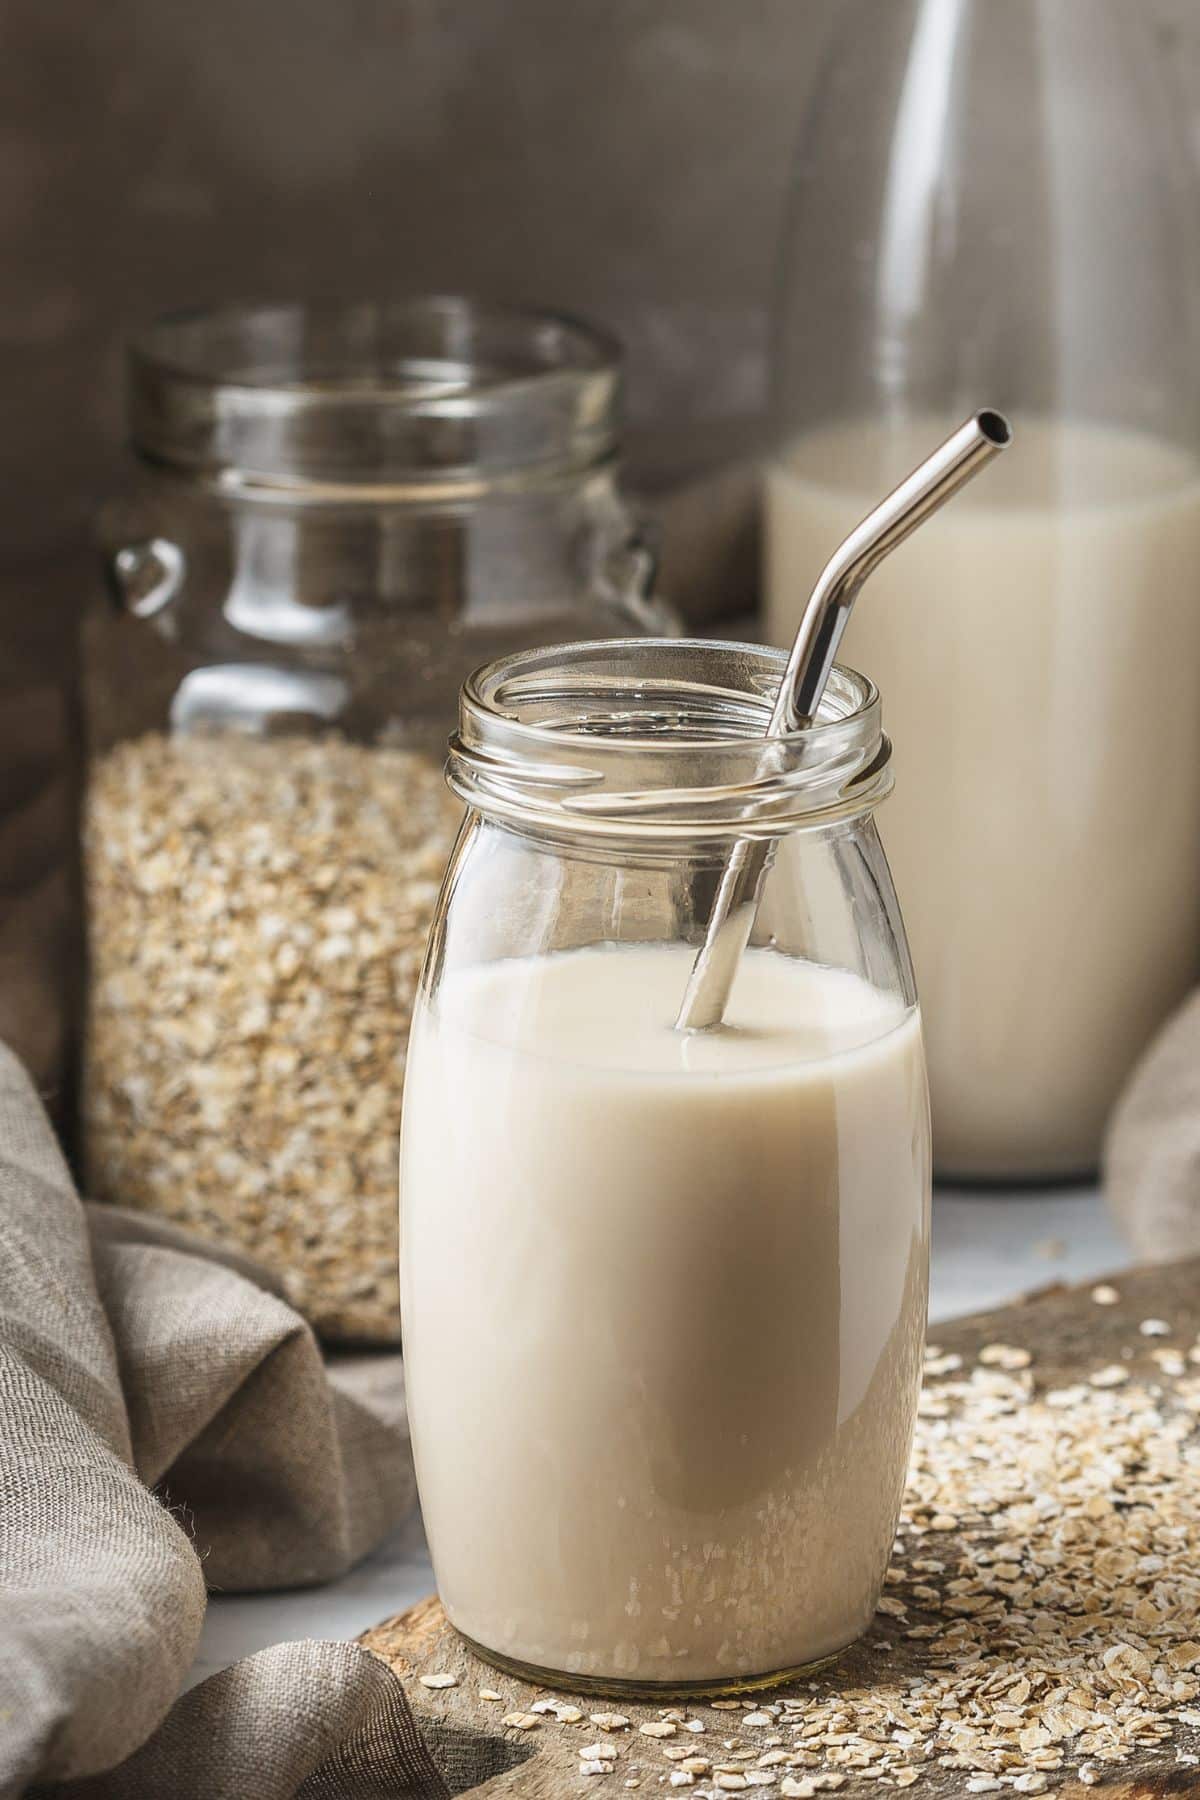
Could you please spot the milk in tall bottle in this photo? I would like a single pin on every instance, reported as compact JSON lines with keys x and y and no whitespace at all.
{"x":997,"y":200}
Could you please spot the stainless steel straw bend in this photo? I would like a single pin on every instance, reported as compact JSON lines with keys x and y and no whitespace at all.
{"x":824,"y":620}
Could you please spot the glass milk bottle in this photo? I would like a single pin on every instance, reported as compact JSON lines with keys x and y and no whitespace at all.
{"x":996,"y":200}
{"x":663,"y":1292}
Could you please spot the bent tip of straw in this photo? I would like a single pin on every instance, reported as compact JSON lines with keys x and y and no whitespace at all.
{"x":995,"y":427}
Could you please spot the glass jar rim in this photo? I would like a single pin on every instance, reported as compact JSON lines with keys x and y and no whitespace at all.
{"x":436,"y":389}
{"x":662,"y":738}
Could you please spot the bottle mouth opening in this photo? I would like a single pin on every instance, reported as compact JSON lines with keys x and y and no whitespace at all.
{"x":431,"y":389}
{"x":662,"y":736}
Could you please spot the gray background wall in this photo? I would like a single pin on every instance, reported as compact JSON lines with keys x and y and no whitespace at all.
{"x":622,"y":158}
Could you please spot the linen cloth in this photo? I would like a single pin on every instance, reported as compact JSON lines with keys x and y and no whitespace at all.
{"x":1152,"y":1152}
{"x":166,"y":1421}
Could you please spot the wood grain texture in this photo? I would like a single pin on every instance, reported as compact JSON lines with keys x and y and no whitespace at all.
{"x":1069,"y":1335}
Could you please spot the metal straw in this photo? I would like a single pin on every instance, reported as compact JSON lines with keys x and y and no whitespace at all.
{"x":824,"y":620}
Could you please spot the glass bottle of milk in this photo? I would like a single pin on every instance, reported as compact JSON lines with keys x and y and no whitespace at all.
{"x":663,"y":1291}
{"x":993,"y":203}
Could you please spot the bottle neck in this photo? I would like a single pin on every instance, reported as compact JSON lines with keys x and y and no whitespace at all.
{"x":661,"y":743}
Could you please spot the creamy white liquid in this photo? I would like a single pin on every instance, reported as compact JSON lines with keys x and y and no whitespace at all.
{"x":664,"y":1300}
{"x":1038,"y":651}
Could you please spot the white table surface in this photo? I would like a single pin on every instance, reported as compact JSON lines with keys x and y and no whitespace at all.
{"x":988,"y":1247}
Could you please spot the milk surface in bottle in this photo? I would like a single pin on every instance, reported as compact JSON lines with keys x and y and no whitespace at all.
{"x":1039,"y":649}
{"x":664,"y":1304}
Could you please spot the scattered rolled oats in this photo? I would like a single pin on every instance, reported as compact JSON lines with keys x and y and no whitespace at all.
{"x":609,"y":1721}
{"x":1126,"y":1663}
{"x":490,"y":1695}
{"x":658,"y":1728}
{"x":1004,"y":1356}
{"x":439,"y":1680}
{"x":562,"y":1710}
{"x":521,"y":1721}
{"x":257,"y":913}
{"x":596,"y":1768}
{"x":1068,"y":1396}
{"x":1113,"y":1376}
{"x":598,"y":1753}
{"x":1154,"y":1328}
{"x":1105,"y":1295}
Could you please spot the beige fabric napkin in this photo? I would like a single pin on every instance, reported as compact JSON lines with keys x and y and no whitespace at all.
{"x":40,"y":940}
{"x":166,"y":1418}
{"x":1152,"y":1154}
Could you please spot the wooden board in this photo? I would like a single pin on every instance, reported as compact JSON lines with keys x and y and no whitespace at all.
{"x":1070,"y":1336}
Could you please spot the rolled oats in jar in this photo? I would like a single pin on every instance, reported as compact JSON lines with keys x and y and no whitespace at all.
{"x":339,"y":512}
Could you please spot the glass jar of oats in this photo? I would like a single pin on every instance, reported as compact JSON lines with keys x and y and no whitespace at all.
{"x":337,"y":513}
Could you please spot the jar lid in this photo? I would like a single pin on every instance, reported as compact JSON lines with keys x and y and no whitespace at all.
{"x":436,"y":391}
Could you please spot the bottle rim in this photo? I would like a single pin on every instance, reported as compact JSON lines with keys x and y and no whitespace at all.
{"x":662,"y":738}
{"x":437,"y":391}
